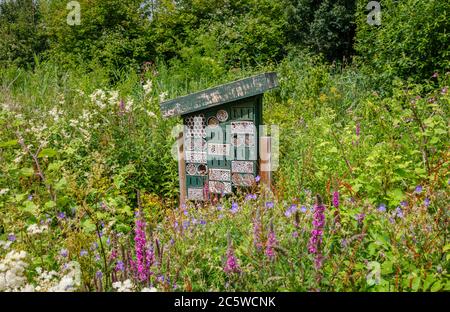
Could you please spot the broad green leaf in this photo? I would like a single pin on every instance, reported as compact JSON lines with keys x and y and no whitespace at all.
{"x":27,"y":172}
{"x":436,"y":286}
{"x":48,"y":152}
{"x":7,"y":144}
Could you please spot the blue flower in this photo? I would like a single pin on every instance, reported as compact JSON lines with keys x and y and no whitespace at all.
{"x":108,"y":241}
{"x":291,"y":210}
{"x":418,"y":189}
{"x":250,"y":196}
{"x":99,"y":274}
{"x":257,"y":179}
{"x":269,"y":204}
{"x":64,"y":253}
{"x":399,"y":212}
{"x":83,"y":253}
{"x":202,"y":222}
{"x":219,"y":208}
{"x":303,"y":209}
{"x":382,"y":208}
{"x":12,"y":237}
{"x":120,"y":266}
{"x":404,"y":203}
{"x":61,"y":215}
{"x":427,"y":202}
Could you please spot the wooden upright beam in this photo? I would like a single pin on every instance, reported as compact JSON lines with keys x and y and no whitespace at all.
{"x":265,"y":162}
{"x":181,"y":168}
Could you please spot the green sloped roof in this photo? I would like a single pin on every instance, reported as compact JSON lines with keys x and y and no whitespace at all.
{"x":219,"y":95}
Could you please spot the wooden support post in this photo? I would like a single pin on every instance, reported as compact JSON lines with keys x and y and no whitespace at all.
{"x":265,"y":162}
{"x":181,"y":168}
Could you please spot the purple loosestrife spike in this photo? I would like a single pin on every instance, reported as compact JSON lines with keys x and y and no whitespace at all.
{"x":271,"y":243}
{"x":315,"y":241}
{"x":140,"y":250}
{"x":231,"y":265}
{"x":257,"y":232}
{"x":336,"y":199}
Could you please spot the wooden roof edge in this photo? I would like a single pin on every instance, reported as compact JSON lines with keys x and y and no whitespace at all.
{"x":221,"y":94}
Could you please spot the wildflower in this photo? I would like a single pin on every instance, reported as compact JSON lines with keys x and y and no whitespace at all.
{"x":271,"y":243}
{"x":125,"y":286}
{"x":250,"y":197}
{"x":291,"y":210}
{"x":315,"y":240}
{"x":120,"y":266}
{"x":11,"y":237}
{"x":202,"y":222}
{"x":97,"y":257}
{"x":83,"y":253}
{"x":399,"y":212}
{"x":148,"y":87}
{"x":113,"y":254}
{"x":427,"y":202}
{"x":269,"y":204}
{"x":382,"y":208}
{"x":94,"y":246}
{"x":30,"y":197}
{"x":3,"y":191}
{"x":152,"y":289}
{"x":64,"y":253}
{"x":336,"y":199}
{"x":257,"y":232}
{"x":142,"y":264}
{"x":435,"y":75}
{"x":444,"y":90}
{"x":231,"y":265}
{"x":234,"y":208}
{"x":257,"y":178}
{"x":61,"y":215}
{"x":303,"y":209}
{"x":99,"y":274}
{"x":163,"y":96}
{"x":360,"y":218}
{"x":219,"y":208}
{"x":418,"y":189}
{"x":295,"y":234}
{"x":404,"y":204}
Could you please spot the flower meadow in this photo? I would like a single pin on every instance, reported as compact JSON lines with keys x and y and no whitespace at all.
{"x":88,"y":189}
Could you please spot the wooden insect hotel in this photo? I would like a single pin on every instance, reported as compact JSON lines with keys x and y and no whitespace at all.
{"x":220,"y":147}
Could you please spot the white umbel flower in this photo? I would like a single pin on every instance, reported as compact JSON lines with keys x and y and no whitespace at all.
{"x":126,"y":286}
{"x":148,"y":87}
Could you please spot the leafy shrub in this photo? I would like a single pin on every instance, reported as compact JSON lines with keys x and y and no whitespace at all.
{"x":411,"y":42}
